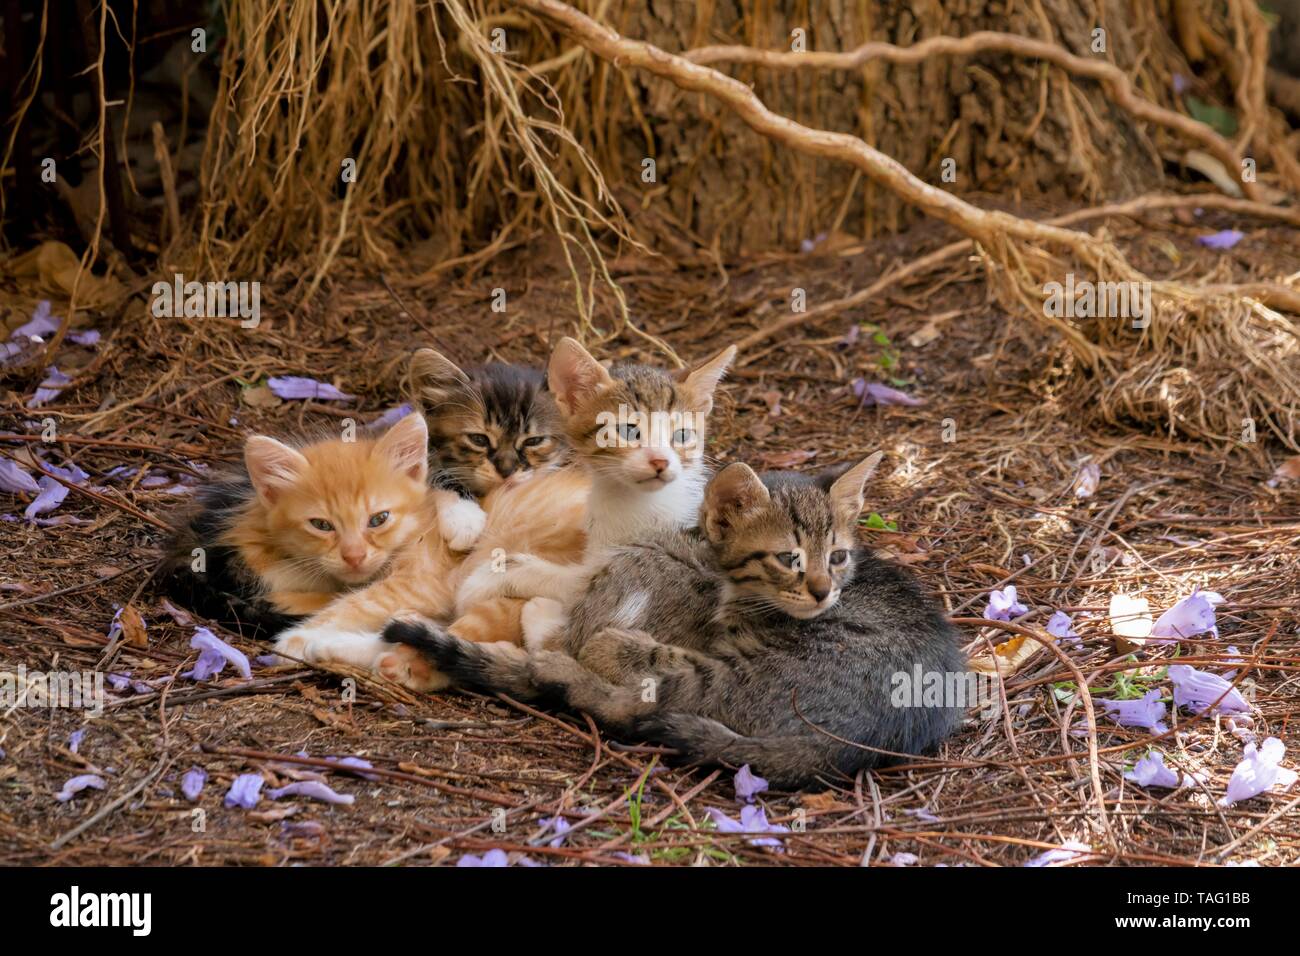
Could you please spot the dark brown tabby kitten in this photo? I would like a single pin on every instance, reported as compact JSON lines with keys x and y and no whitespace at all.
{"x":487,"y":423}
{"x":766,"y":636}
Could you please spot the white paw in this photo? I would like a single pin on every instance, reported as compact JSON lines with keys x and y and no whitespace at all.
{"x":326,"y":645}
{"x":461,"y":523}
{"x":542,"y":618}
{"x":293,"y":643}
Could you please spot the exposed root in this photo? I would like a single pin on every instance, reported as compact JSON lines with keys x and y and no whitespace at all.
{"x":1205,"y":363}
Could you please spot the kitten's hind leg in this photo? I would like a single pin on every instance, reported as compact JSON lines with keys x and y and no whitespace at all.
{"x":559,"y":676}
{"x":489,"y":668}
{"x":623,"y":656}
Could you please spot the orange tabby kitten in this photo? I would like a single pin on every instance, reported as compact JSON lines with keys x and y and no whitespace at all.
{"x":301,"y":525}
{"x":544,"y":513}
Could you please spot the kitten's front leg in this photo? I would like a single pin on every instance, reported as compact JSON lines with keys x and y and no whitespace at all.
{"x":524,"y":576}
{"x":329,"y":645}
{"x":460,"y":520}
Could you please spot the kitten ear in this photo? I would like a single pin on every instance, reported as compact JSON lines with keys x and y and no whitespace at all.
{"x":699,"y":383}
{"x":406,"y":445}
{"x":573,"y":375}
{"x":731,"y":493}
{"x":434,"y":377}
{"x":847,"y":490}
{"x":272,"y":466}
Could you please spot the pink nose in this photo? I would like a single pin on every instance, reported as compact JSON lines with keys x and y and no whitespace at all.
{"x":659,"y":465}
{"x":354,"y":559}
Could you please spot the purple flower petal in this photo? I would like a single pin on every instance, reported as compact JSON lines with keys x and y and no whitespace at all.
{"x":216,"y":653}
{"x":1192,"y":615}
{"x":192,"y":783}
{"x":40,"y":325}
{"x":1260,"y":770}
{"x":87,"y":337}
{"x":1062,"y":854}
{"x":1197,"y":690}
{"x":1149,"y":712}
{"x":1060,"y":625}
{"x":245,"y":792}
{"x":14,"y":479}
{"x":753,"y":819}
{"x":560,"y":825}
{"x":748,"y":784}
{"x":1003,"y":605}
{"x":299,"y":387}
{"x":312,"y":789}
{"x":626,"y":857}
{"x":390,"y":417}
{"x":183,"y":618}
{"x":78,"y":784}
{"x":53,"y":492}
{"x":75,"y":739}
{"x":55,"y":382}
{"x":873,"y":393}
{"x":1225,"y":239}
{"x":51,"y":496}
{"x":356,"y":763}
{"x":490,"y":858}
{"x":1151,"y":771}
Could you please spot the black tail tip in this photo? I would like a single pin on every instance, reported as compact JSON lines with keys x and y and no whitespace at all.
{"x":408,"y":632}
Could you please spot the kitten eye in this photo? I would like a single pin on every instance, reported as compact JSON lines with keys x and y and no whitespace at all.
{"x":534,"y":441}
{"x":320,"y":524}
{"x":839,"y":556}
{"x":378,"y":518}
{"x":683,"y":436}
{"x":629,"y":432}
{"x":787,"y":559}
{"x":479,"y":440}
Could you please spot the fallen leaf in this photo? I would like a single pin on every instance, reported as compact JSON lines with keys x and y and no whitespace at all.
{"x":786,"y":459}
{"x":1289,"y":470}
{"x":133,"y":630}
{"x":1007,"y":657}
{"x":259,"y":396}
{"x":56,"y":265}
{"x":275,"y":814}
{"x":827,"y":800}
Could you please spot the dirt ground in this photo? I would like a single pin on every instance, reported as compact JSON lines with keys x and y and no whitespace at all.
{"x":995,"y":504}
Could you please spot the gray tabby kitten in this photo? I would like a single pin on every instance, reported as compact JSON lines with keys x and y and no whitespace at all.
{"x":766,"y":636}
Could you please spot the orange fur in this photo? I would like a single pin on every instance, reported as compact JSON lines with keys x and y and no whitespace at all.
{"x":344,"y":484}
{"x":544,"y":515}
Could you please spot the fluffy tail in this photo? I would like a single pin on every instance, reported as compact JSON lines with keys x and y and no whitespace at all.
{"x":488,"y":668}
{"x":788,"y":763}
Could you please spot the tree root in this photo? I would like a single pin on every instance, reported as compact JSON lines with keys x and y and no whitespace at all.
{"x":1208,"y":361}
{"x":1114,"y":79}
